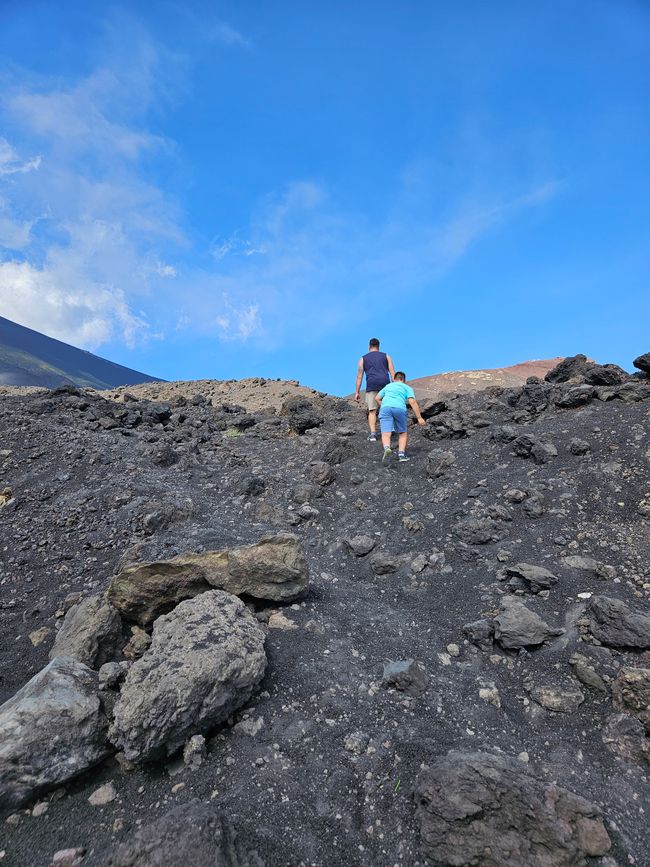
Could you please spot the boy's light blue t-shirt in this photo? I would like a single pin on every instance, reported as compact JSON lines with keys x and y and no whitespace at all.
{"x":396,"y":394}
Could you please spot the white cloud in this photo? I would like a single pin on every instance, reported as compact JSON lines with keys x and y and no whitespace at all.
{"x":76,"y":312}
{"x":223,"y":32}
{"x":12,"y":164}
{"x":238,"y":323}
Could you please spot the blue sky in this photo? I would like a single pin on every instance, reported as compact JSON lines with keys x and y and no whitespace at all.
{"x":205,"y":189}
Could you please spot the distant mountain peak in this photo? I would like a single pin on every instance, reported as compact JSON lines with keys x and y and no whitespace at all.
{"x":28,"y":357}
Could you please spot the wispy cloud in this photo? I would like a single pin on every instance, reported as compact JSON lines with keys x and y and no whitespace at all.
{"x":12,"y":164}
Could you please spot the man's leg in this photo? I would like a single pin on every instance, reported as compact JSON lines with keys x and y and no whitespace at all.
{"x":372,"y":420}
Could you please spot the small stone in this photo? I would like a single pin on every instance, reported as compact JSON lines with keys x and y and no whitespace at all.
{"x":556,"y":699}
{"x":68,"y":857}
{"x":249,"y":727}
{"x":356,"y":743}
{"x":524,"y":757}
{"x":279,"y":621}
{"x":491,"y":695}
{"x":40,"y":808}
{"x":178,"y":788}
{"x":195,"y":752}
{"x":39,"y":635}
{"x":103,"y":795}
{"x":453,"y":650}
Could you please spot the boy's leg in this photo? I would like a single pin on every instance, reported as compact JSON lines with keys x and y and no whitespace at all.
{"x":400,"y":423}
{"x":402,"y":441}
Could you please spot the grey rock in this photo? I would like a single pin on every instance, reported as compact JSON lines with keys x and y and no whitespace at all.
{"x":163,"y":455}
{"x":51,"y":730}
{"x":322,"y":473}
{"x":438,"y":462}
{"x":535,"y":578}
{"x":205,"y":660}
{"x":605,"y":374}
{"x":534,"y":505}
{"x":625,"y":736}
{"x":337,"y":450}
{"x":382,"y":563}
{"x":480,"y":633}
{"x":568,"y":368}
{"x":360,"y":545}
{"x":558,"y":699}
{"x":91,"y":633}
{"x":407,"y":676}
{"x":614,"y":624}
{"x":579,"y":447}
{"x":586,"y":673}
{"x":273,"y":568}
{"x":631,"y":693}
{"x":518,"y":627}
{"x":192,"y":833}
{"x":111,"y":674}
{"x":479,"y":531}
{"x":195,"y":752}
{"x":477,"y":808}
{"x":577,"y":396}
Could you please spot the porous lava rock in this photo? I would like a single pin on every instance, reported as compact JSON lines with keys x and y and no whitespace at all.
{"x":517,"y":626}
{"x":642,"y":362}
{"x":489,"y":810}
{"x":631,"y":693}
{"x":193,"y":833}
{"x":205,"y":660}
{"x":568,"y":368}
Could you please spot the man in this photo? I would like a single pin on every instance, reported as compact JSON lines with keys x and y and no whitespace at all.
{"x":379,"y":370}
{"x":393,"y":399}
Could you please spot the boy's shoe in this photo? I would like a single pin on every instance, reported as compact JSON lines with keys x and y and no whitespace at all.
{"x":403,"y":457}
{"x":372,"y":438}
{"x":387,"y":453}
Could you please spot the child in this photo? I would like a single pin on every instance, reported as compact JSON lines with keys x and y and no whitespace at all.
{"x":392,"y":400}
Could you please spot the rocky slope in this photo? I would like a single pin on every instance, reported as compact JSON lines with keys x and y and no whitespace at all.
{"x":462,"y":381}
{"x":444,"y":661}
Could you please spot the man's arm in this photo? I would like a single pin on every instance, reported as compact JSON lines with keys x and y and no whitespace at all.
{"x":416,"y":409}
{"x":391,"y":367}
{"x":357,"y":387}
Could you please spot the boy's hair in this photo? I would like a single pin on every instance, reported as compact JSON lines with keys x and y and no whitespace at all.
{"x":373,"y":342}
{"x":401,"y":376}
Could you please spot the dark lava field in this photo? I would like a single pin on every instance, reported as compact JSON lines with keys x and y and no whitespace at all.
{"x":445,"y":661}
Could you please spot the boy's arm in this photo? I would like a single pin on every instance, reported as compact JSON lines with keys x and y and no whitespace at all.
{"x":391,"y":367}
{"x":357,"y":387}
{"x":416,"y":409}
{"x":379,"y":396}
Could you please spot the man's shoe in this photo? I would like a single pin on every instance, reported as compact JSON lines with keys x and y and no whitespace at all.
{"x":372,"y":438}
{"x":403,"y":457}
{"x":387,"y":453}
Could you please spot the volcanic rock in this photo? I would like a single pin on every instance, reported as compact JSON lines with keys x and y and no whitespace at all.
{"x":516,"y":626}
{"x":91,"y":633}
{"x":205,"y":660}
{"x":642,"y":362}
{"x":190,"y":833}
{"x":273,"y":568}
{"x":614,"y":624}
{"x":558,"y":699}
{"x":50,"y":731}
{"x":301,"y":414}
{"x":477,"y":808}
{"x":438,"y":462}
{"x":568,"y":368}
{"x":631,"y":693}
{"x":407,"y":676}
{"x":535,"y":578}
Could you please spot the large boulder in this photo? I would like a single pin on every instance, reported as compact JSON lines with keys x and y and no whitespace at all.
{"x":205,"y":660}
{"x":273,"y":568}
{"x":516,"y":626}
{"x":301,"y":414}
{"x":51,"y":730}
{"x":478,"y":808}
{"x":190,"y":833}
{"x":642,"y":362}
{"x":614,"y":624}
{"x":91,"y":633}
{"x":568,"y":368}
